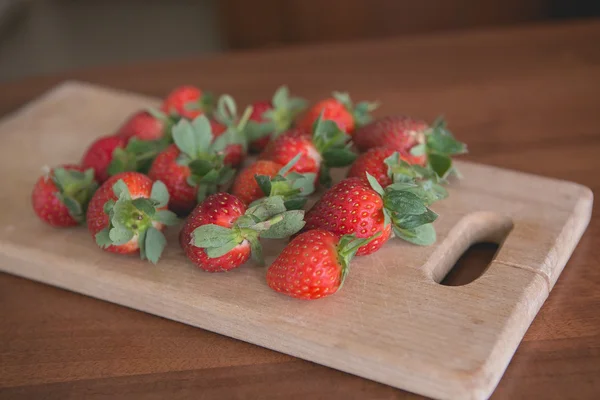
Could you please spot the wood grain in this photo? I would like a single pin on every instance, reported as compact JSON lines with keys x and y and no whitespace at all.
{"x":530,"y":90}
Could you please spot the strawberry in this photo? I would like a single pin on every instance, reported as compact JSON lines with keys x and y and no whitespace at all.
{"x":339,"y":109}
{"x":144,"y":126}
{"x":326,"y":147}
{"x":61,"y":195}
{"x":377,"y":162}
{"x":235,"y":130}
{"x":432,"y":145}
{"x":314,"y":264}
{"x":267,"y":178}
{"x":128,"y":213}
{"x":362,"y":208}
{"x":100,"y":153}
{"x":192,"y":167}
{"x":221,"y":233}
{"x":271,"y":118}
{"x":187,"y":102}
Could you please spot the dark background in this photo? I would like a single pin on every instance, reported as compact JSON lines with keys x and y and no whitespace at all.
{"x":46,"y":36}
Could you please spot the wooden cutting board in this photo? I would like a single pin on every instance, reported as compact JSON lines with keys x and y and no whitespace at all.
{"x":393,"y":322}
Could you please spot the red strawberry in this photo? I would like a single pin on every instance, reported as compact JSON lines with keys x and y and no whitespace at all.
{"x":245,"y":186}
{"x":61,"y":195}
{"x":339,"y":109}
{"x":267,"y":178}
{"x":128,"y":213}
{"x":271,"y":118}
{"x":355,"y":206}
{"x":144,"y":126}
{"x":100,"y":154}
{"x":374,"y":162}
{"x":193,"y":167}
{"x":432,"y":145}
{"x":220,"y":234}
{"x":187,"y":102}
{"x":313,"y":265}
{"x":327,"y":147}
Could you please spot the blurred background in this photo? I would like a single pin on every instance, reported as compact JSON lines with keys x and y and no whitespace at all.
{"x":44,"y":36}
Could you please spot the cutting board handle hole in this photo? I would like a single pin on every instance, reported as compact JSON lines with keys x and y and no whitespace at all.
{"x":470,"y":247}
{"x":472,"y":264}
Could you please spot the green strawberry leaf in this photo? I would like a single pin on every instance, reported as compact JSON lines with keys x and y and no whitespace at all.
{"x":120,"y":235}
{"x":343,"y":98}
{"x":418,"y":150}
{"x":142,"y":244}
{"x":267,"y":207}
{"x":103,"y":238}
{"x":375,"y":184}
{"x":211,"y":235}
{"x":144,"y":205}
{"x":226,"y":110}
{"x":280,"y":98}
{"x":246,"y":221}
{"x":154,"y":244}
{"x":403,"y":202}
{"x":121,"y":190}
{"x":166,"y":217}
{"x":440,"y":164}
{"x":287,"y":167}
{"x":441,"y":141}
{"x":423,"y":235}
{"x":226,"y":174}
{"x":258,"y":130}
{"x":407,"y":221}
{"x":339,"y":157}
{"x":200,"y":167}
{"x":256,"y":251}
{"x":202,"y":132}
{"x":214,"y":252}
{"x":185,"y":138}
{"x":264,"y":183}
{"x":295,"y":203}
{"x":289,"y":223}
{"x":75,"y":209}
{"x":160,"y":194}
{"x":108,"y":206}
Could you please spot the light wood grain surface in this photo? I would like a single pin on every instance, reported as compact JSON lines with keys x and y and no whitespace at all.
{"x":523,"y":99}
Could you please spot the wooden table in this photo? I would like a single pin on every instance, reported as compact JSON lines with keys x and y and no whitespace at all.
{"x":524,"y":98}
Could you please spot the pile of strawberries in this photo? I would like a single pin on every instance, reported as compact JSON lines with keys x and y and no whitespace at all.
{"x":185,"y":160}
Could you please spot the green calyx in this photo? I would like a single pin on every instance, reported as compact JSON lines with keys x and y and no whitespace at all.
{"x":269,"y":220}
{"x":226,"y":114}
{"x":138,"y":155}
{"x":75,"y":189}
{"x":346,"y":250}
{"x":405,"y":206}
{"x":293,"y":187}
{"x":136,"y":219}
{"x":440,"y":145}
{"x":206,"y":104}
{"x":280,"y":118}
{"x":203,"y":155}
{"x":334,"y":146}
{"x":361,"y":112}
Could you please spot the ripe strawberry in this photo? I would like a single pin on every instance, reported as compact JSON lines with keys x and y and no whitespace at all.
{"x":326,"y":147}
{"x":245,"y":186}
{"x":220,"y":234}
{"x":100,"y":154}
{"x":61,"y":195}
{"x":128,"y":213}
{"x":192,"y":167}
{"x":313,"y":265}
{"x":271,"y":118}
{"x":377,"y":162}
{"x":339,"y":109}
{"x":188,"y":102}
{"x":144,"y":126}
{"x":362,"y":208}
{"x":432,"y":145}
{"x":267,"y":178}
